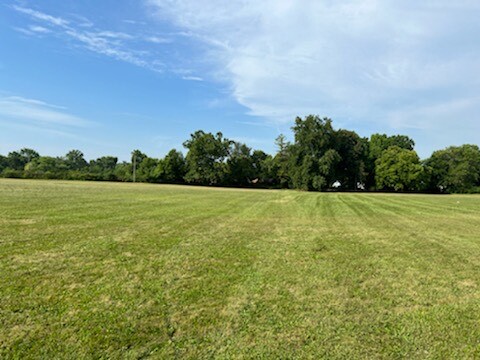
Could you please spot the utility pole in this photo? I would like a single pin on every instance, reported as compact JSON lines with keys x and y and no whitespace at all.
{"x":134,"y":166}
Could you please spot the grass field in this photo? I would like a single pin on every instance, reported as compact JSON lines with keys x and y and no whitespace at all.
{"x":100,"y":270}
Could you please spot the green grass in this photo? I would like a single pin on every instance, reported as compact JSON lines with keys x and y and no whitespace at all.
{"x":99,"y":270}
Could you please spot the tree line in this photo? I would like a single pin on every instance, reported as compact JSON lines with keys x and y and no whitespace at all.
{"x":320,"y":158}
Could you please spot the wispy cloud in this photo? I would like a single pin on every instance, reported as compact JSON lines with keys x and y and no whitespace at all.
{"x":192,"y":78}
{"x":57,"y":21}
{"x":36,"y":129}
{"x":359,"y":61}
{"x":134,"y":22}
{"x":104,"y":45}
{"x":82,"y":32}
{"x":39,"y":29}
{"x":14,"y":109}
{"x":33,"y":30}
{"x":158,"y":40}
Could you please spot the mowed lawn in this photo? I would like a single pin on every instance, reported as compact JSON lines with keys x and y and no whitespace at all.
{"x":106,"y":270}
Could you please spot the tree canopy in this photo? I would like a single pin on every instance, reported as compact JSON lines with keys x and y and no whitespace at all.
{"x":320,"y":158}
{"x":455,"y":169}
{"x":399,"y":169}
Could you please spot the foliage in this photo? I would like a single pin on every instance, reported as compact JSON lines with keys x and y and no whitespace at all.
{"x":455,"y":169}
{"x":74,"y":160}
{"x":381,"y":142}
{"x":3,"y":163}
{"x":240,"y":169}
{"x":281,"y":161}
{"x":399,"y":169}
{"x":18,"y":159}
{"x":46,"y":167}
{"x":172,"y":168}
{"x":377,"y":145}
{"x":351,"y":168}
{"x":206,"y":158}
{"x":103,"y":168}
{"x":264,"y":168}
{"x":319,"y":158}
{"x":312,"y":156}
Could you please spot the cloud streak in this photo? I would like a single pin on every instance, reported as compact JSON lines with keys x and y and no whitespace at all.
{"x":81,"y":31}
{"x":14,"y":109}
{"x":52,"y":20}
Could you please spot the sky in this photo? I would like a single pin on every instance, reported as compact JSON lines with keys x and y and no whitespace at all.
{"x":110,"y":76}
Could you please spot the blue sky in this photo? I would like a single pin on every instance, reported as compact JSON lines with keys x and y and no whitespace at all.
{"x":108,"y":77}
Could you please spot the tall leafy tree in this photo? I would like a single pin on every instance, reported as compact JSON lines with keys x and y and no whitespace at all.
{"x":281,"y":161}
{"x":18,"y":159}
{"x":206,"y":158}
{"x":399,"y":169}
{"x":313,"y":158}
{"x":353,"y":151}
{"x":377,"y":145}
{"x":264,"y":168}
{"x":105,"y":163}
{"x":240,"y":170}
{"x":102,"y":168}
{"x":74,"y":160}
{"x":172,"y":168}
{"x":146,"y":170}
{"x":455,"y":169}
{"x":3,"y":162}
{"x":138,"y":157}
{"x":381,"y":142}
{"x":123,"y":172}
{"x":29,"y":154}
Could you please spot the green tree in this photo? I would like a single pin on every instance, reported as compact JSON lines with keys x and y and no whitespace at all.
{"x":377,"y":145}
{"x":137,"y":159}
{"x":146,"y":170}
{"x":206,"y":157}
{"x":264,"y":168}
{"x":172,"y":168}
{"x":46,"y":167}
{"x":3,"y":163}
{"x":105,"y":163}
{"x":353,"y":152}
{"x":399,"y":169}
{"x":74,"y":160}
{"x":123,"y":172}
{"x":455,"y":169}
{"x":313,"y":158}
{"x":18,"y":159}
{"x":381,"y":142}
{"x":138,"y":156}
{"x":281,"y":161}
{"x":240,"y":170}
{"x":102,"y":168}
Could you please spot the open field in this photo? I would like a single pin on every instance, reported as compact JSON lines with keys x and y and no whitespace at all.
{"x":99,"y":270}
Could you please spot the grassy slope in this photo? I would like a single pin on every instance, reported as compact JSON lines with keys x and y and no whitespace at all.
{"x":132,"y":271}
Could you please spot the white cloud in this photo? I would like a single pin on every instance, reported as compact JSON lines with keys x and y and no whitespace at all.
{"x":82,"y":32}
{"x":359,"y":61}
{"x":158,"y":40}
{"x":192,"y":78}
{"x":15,"y":109}
{"x":57,"y":21}
{"x":102,"y":44}
{"x":39,"y":29}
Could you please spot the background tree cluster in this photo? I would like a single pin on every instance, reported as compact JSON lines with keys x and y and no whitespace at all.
{"x":320,"y":158}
